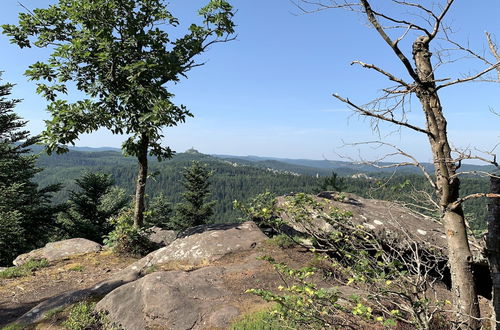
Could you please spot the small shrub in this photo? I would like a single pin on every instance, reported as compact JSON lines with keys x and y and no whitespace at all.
{"x":83,"y":317}
{"x":25,"y":269}
{"x":283,"y":241}
{"x":126,"y":239}
{"x":77,"y":268}
{"x":261,"y":320}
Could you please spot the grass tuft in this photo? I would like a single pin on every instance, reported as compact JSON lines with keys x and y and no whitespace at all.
{"x":25,"y":269}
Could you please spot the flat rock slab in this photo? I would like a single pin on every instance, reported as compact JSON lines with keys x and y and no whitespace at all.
{"x":385,"y":219}
{"x":175,"y":300}
{"x":60,"y":250}
{"x":204,"y":244}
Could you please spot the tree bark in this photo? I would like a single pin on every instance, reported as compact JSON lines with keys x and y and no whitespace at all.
{"x":447,"y":185}
{"x":493,"y":248}
{"x":140,"y":188}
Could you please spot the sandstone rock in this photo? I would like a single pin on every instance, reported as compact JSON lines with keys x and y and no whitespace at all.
{"x":162,"y":237}
{"x":204,"y":244}
{"x":387,"y":220}
{"x":60,"y":250}
{"x":200,"y":299}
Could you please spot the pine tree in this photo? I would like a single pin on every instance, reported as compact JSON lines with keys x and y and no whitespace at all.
{"x":90,"y":207}
{"x":195,"y":210}
{"x":26,"y":215}
{"x":159,"y":212}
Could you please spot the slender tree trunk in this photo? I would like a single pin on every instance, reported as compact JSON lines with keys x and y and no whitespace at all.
{"x":493,"y":248}
{"x":140,"y":188}
{"x":447,"y":189}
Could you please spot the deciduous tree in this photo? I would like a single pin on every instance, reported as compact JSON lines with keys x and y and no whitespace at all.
{"x":120,"y":54}
{"x":425,"y":25}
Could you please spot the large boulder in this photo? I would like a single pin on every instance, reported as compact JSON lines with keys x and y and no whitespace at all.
{"x":60,"y":250}
{"x":196,"y":247}
{"x":204,"y":244}
{"x":387,"y":220}
{"x":207,"y":298}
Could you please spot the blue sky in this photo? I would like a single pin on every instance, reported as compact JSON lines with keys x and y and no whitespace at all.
{"x":269,"y":92}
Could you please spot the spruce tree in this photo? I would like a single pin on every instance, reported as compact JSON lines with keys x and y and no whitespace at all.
{"x":90,"y":207}
{"x":26,"y":215}
{"x":195,"y":209}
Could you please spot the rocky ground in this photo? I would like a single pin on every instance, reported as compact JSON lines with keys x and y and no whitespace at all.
{"x":197,"y":281}
{"x":19,"y":295}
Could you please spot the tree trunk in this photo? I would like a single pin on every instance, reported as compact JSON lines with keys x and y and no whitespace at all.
{"x":447,"y":189}
{"x":493,"y":248}
{"x":140,"y":188}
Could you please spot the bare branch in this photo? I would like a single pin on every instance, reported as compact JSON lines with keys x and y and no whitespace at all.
{"x":494,"y":51}
{"x":381,"y":117}
{"x":440,"y":19}
{"x":373,"y":20}
{"x":385,"y":73}
{"x":459,"y":201}
{"x":399,"y":151}
{"x":471,"y":78}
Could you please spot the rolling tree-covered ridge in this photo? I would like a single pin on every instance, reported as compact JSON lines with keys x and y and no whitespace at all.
{"x":241,"y":179}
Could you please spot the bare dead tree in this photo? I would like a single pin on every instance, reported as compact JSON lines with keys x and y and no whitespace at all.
{"x":425,"y":25}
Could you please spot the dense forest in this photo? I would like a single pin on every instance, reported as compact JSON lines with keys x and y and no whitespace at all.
{"x":241,"y":178}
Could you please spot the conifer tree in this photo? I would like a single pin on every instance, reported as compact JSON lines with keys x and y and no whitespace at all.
{"x":195,"y":210}
{"x":26,"y":215}
{"x":90,"y":207}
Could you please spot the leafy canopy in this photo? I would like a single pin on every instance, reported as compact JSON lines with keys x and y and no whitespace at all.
{"x":120,"y":55}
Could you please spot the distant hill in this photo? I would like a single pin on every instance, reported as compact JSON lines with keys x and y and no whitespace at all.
{"x":325,"y":167}
{"x":240,"y":178}
{"x":231,"y":180}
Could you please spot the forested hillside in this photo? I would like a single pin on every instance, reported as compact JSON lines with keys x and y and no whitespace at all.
{"x":236,"y":178}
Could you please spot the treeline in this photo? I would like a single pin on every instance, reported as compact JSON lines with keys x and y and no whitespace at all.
{"x":234,"y":179}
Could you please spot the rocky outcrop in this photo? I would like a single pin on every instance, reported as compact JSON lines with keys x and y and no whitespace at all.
{"x":60,"y":250}
{"x":203,"y":244}
{"x":198,"y":246}
{"x":206,"y":298}
{"x":387,"y":220}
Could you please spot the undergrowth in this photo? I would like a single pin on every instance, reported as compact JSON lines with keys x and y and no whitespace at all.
{"x":83,"y":317}
{"x":25,"y":269}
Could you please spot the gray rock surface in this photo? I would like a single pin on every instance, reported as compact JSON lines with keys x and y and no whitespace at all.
{"x":60,"y":250}
{"x":162,"y":237}
{"x":206,"y":298}
{"x":386,"y":219}
{"x":204,"y":243}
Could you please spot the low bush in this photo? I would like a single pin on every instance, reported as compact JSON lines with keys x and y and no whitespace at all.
{"x":83,"y":317}
{"x":127,"y":239}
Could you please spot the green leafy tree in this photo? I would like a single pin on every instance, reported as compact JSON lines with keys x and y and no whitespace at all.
{"x":91,"y":206}
{"x":195,"y":210}
{"x":120,"y":55}
{"x":26,"y":214}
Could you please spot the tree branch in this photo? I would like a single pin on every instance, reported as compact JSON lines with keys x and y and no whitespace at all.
{"x":374,"y":115}
{"x":385,"y":73}
{"x":375,"y":23}
{"x":459,"y":201}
